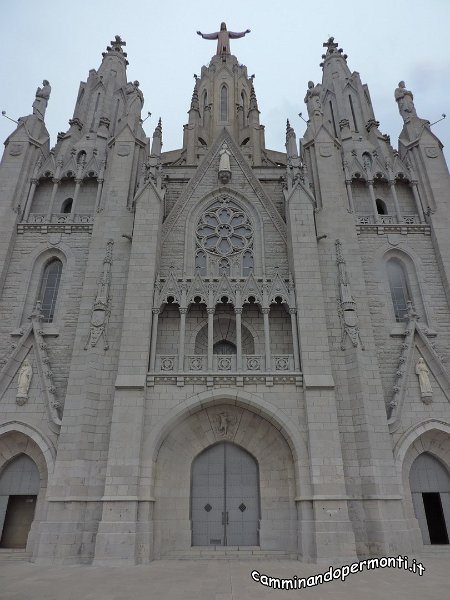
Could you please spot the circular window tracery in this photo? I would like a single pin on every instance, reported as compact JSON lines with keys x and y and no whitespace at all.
{"x":224,"y":229}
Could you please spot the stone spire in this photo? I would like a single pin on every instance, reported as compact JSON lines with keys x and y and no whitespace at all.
{"x":253,"y":101}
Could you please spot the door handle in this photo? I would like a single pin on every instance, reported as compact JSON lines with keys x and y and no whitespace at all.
{"x":225,"y":517}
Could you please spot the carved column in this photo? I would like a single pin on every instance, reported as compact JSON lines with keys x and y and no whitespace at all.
{"x":210,"y":312}
{"x":348,"y":184}
{"x":155,"y":312}
{"x":396,"y":204}
{"x":293,"y":313}
{"x":238,"y":313}
{"x":418,"y":202}
{"x":56,"y":183}
{"x":34,"y":184}
{"x":183,"y":312}
{"x":265,"y":312}
{"x":374,"y":202}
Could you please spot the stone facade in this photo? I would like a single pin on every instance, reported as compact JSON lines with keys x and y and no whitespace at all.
{"x":224,"y":293}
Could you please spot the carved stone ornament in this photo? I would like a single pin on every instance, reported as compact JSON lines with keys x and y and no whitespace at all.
{"x":346,"y":303}
{"x":224,"y":424}
{"x":102,"y":305}
{"x":23,"y":382}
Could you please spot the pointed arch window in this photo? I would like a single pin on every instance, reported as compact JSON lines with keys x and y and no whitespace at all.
{"x":200,"y":262}
{"x":398,"y":284}
{"x":66,"y":207}
{"x":381,"y":207}
{"x":48,"y":293}
{"x":224,"y":103}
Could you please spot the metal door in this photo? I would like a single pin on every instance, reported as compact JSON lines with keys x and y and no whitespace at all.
{"x":225,"y":497}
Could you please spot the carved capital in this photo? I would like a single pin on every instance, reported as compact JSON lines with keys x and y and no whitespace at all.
{"x":183,"y":310}
{"x":265,"y":311}
{"x":210,"y":311}
{"x":155,"y":311}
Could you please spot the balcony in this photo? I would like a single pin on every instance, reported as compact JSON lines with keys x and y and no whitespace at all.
{"x":224,"y":369}
{"x":58,"y":222}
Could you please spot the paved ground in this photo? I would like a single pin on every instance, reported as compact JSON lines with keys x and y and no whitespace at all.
{"x":214,"y":580}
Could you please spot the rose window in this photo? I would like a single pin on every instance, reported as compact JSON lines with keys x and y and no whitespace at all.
{"x":224,"y":229}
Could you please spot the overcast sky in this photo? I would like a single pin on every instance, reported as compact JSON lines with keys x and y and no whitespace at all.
{"x":386,"y":41}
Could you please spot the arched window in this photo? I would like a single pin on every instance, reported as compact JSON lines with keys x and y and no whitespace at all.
{"x":381,"y":207}
{"x":398,"y":285}
{"x":224,"y":103}
{"x":66,"y":207}
{"x":49,"y":288}
{"x":224,"y":347}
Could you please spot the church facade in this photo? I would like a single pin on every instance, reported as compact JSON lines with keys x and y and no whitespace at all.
{"x":224,"y":347}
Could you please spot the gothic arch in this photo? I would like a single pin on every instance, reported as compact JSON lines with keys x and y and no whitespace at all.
{"x":17,"y":439}
{"x":257,"y":343}
{"x":33,"y":443}
{"x":198,"y":208}
{"x":193,"y":427}
{"x":432,"y":437}
{"x":252,"y":402}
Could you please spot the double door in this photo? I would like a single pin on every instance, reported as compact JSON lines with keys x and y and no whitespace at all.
{"x":225,"y":497}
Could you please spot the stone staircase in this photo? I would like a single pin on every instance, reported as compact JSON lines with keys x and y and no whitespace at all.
{"x":229,"y":553}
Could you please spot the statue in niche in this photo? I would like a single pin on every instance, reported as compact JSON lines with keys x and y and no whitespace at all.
{"x":422,"y":371}
{"x":405,"y":101}
{"x":41,"y":100}
{"x":24,"y":381}
{"x":313,"y":99}
{"x":223,"y":38}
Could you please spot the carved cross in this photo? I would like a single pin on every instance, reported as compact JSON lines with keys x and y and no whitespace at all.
{"x":330,"y":45}
{"x":117,"y":43}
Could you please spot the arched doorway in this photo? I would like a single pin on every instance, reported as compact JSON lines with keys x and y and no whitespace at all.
{"x":430,"y":490}
{"x":19,"y":488}
{"x":225,"y":503}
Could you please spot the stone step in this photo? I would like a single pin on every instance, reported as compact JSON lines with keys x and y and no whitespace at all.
{"x":434,"y":549}
{"x":230,"y":552}
{"x":7,"y":554}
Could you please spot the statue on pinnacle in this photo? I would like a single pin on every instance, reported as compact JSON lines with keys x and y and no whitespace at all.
{"x":223,"y":38}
